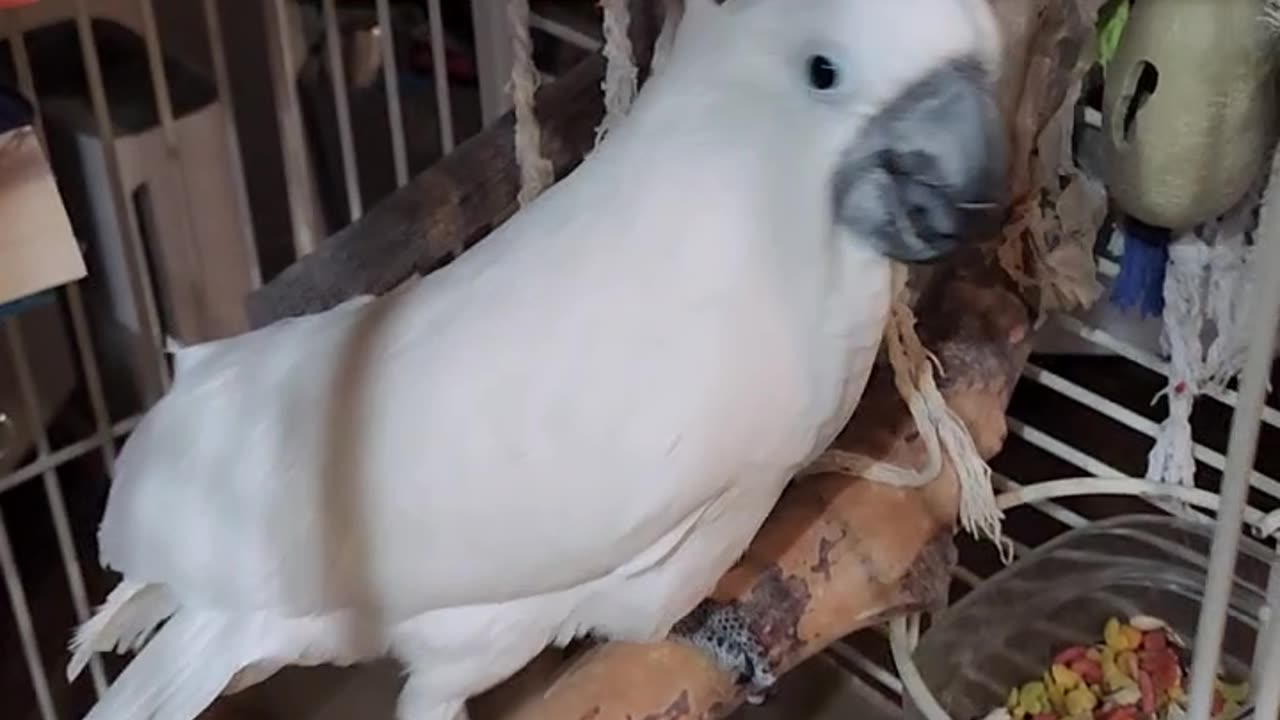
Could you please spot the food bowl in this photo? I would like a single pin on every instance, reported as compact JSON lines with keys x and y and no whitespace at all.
{"x":1006,"y":631}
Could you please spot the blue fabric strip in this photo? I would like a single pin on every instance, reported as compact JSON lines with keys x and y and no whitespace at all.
{"x":1140,"y":283}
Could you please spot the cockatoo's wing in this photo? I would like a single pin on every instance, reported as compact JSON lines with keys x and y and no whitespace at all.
{"x":456,"y":442}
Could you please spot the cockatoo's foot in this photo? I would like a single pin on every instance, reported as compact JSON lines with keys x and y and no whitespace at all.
{"x":722,"y":632}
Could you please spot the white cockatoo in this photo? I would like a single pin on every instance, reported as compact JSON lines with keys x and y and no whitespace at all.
{"x":579,"y":425}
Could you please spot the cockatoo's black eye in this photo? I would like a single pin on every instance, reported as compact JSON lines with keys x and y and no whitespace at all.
{"x":823,"y":74}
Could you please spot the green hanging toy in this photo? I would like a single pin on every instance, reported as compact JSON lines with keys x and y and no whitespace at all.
{"x":1189,"y":112}
{"x":1111,"y":22}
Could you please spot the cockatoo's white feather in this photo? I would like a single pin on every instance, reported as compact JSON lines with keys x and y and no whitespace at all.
{"x":123,"y":623}
{"x":577,"y":426}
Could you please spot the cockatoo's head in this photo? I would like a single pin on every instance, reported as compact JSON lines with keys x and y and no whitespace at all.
{"x":890,"y":100}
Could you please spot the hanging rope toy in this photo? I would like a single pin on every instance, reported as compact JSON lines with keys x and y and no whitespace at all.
{"x":1172,"y":458}
{"x":621,"y":75}
{"x":536,"y":171}
{"x":1203,"y":185}
{"x":1209,"y":279}
{"x":1230,"y":298}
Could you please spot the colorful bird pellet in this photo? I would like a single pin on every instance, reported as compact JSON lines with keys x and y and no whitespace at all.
{"x":1136,"y":673}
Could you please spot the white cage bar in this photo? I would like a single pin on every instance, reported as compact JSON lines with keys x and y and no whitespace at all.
{"x":53,"y":491}
{"x":390,"y":75}
{"x":222,"y":82}
{"x":26,"y":626}
{"x":440,"y":70}
{"x":338,"y":79}
{"x":1241,"y":454}
{"x":299,"y":183}
{"x":140,"y":282}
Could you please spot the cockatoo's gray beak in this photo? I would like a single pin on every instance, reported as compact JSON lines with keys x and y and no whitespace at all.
{"x":927,"y":171}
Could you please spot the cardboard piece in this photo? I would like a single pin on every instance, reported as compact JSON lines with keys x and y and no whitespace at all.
{"x":38,"y":249}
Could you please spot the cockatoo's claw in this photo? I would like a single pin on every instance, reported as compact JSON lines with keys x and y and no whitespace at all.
{"x":722,"y":632}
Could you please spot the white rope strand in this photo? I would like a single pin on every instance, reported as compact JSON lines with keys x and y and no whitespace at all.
{"x":1172,"y":458}
{"x":536,"y":171}
{"x":621,"y":75}
{"x":941,"y":430}
{"x":1230,"y":298}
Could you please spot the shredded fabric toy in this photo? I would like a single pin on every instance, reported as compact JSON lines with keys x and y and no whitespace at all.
{"x":1141,"y":281}
{"x":1230,"y":296}
{"x":1172,"y":458}
{"x":1206,"y":294}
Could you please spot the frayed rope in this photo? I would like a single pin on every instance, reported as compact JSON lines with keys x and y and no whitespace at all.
{"x":536,"y":171}
{"x":621,"y":76}
{"x":941,"y":430}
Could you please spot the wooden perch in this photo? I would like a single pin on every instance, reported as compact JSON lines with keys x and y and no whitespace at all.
{"x":838,"y":553}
